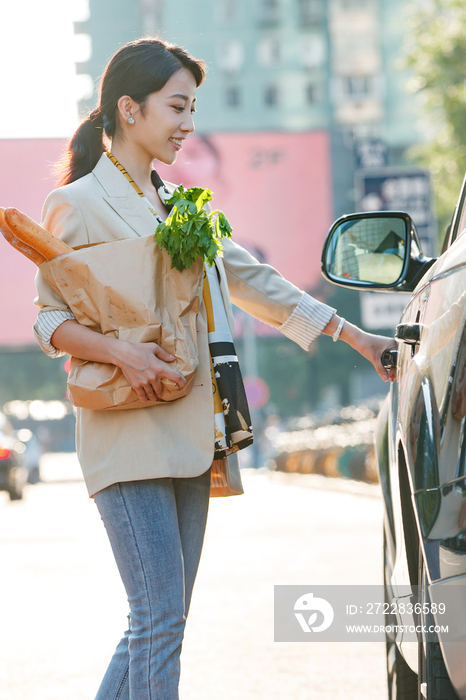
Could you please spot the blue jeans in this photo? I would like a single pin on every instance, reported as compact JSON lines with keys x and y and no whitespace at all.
{"x":156,"y":530}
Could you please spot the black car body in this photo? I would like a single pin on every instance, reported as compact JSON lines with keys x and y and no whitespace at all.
{"x":420,"y":439}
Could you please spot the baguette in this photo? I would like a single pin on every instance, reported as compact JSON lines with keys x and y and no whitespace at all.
{"x":23,"y":248}
{"x":34,"y":236}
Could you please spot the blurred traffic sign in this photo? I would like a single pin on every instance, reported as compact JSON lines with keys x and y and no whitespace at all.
{"x":370,"y":153}
{"x":382,"y":310}
{"x":395,"y":189}
{"x":400,"y":189}
{"x":257,"y":392}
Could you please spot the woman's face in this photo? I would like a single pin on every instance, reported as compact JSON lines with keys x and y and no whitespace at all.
{"x":167,"y":119}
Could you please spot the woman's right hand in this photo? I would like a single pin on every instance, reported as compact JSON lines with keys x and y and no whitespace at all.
{"x":368,"y":345}
{"x":141,"y":364}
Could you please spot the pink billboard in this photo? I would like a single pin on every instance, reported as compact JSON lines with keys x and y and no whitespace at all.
{"x":26,"y":178}
{"x":274,"y":187}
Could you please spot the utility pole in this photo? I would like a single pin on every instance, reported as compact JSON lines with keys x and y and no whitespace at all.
{"x":250,"y":346}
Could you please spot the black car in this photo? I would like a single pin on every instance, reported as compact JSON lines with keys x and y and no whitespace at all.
{"x":420,"y":441}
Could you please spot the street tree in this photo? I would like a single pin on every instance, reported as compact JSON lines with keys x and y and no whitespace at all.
{"x":436,"y":55}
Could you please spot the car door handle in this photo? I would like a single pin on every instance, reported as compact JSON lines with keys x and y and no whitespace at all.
{"x":389,"y":359}
{"x":408,"y":333}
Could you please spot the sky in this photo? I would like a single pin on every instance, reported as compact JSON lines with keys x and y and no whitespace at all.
{"x":38,"y":81}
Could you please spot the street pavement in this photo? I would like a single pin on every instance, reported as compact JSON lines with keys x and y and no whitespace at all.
{"x":64,"y":608}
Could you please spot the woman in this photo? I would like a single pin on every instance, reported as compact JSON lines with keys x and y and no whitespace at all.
{"x":149,"y":469}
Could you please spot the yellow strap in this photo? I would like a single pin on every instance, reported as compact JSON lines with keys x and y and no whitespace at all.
{"x":208,"y":303}
{"x":133,"y":184}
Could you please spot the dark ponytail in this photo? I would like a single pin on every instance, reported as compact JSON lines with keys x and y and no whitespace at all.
{"x":137,"y":69}
{"x":84,"y":150}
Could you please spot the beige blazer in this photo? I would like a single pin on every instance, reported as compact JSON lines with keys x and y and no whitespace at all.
{"x":175,"y":439}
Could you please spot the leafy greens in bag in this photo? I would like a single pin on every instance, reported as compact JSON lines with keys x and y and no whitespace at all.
{"x":190,"y":231}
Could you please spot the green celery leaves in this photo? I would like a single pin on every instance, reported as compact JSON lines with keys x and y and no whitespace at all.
{"x":190,"y":231}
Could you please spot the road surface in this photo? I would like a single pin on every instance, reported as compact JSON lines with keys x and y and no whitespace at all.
{"x":64,"y":608}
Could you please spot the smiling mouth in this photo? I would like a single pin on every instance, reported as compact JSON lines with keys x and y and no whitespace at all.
{"x":176,"y":142}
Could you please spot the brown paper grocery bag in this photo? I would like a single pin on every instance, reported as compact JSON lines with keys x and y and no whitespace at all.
{"x":127,"y":289}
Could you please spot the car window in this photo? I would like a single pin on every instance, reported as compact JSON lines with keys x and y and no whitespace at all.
{"x":446,"y":240}
{"x":462,"y":220}
{"x":459,"y":221}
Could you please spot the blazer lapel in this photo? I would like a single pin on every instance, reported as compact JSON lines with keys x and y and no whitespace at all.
{"x":123,"y":198}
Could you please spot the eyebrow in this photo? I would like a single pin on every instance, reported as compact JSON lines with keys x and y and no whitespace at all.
{"x":182,"y":97}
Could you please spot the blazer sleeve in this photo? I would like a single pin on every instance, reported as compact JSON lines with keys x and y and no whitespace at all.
{"x":62,"y":216}
{"x":264,"y":293}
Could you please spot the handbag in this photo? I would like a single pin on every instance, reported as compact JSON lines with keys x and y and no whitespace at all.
{"x":225,"y":477}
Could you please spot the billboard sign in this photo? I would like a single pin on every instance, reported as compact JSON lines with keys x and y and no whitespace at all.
{"x":370,"y":153}
{"x":26,"y":178}
{"x":400,"y":189}
{"x":274,"y":187}
{"x":395,"y":189}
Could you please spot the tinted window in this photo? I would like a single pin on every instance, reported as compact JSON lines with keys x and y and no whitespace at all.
{"x":461,"y":228}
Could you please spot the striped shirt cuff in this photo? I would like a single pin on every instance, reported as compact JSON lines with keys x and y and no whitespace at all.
{"x":46,"y":325}
{"x":307,"y":321}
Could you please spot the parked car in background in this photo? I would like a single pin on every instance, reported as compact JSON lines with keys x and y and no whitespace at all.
{"x":420,"y":439}
{"x":13,"y":468}
{"x":32,"y":454}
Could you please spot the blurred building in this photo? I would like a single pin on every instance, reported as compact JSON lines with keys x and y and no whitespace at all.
{"x":283,"y":65}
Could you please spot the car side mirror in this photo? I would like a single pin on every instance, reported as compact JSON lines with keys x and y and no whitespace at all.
{"x":377,"y":250}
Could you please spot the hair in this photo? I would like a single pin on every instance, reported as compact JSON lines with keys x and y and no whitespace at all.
{"x":138,"y":69}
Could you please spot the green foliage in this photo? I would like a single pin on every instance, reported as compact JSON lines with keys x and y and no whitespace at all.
{"x":30,"y":374}
{"x":190,"y":231}
{"x":436,"y":54}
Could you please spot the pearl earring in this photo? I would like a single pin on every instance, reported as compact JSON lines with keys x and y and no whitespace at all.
{"x":130,"y":120}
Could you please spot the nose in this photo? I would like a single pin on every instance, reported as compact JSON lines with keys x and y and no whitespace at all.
{"x":188,"y":124}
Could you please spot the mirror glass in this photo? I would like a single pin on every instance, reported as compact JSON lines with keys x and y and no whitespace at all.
{"x":368,"y":250}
